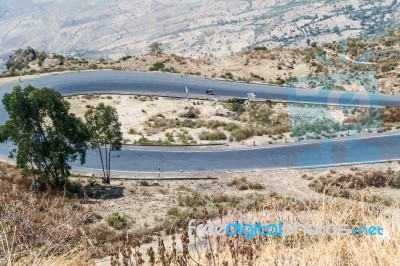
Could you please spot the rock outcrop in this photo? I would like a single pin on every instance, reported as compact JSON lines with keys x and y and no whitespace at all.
{"x":21,"y":58}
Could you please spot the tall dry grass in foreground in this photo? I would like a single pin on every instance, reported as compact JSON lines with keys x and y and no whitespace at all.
{"x":48,"y":229}
{"x":37,"y":228}
{"x":293,"y":250}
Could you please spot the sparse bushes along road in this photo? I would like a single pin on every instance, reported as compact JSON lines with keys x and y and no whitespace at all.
{"x":354,"y":185}
{"x":212,"y":136}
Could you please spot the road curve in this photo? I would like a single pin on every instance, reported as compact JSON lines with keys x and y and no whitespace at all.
{"x":302,"y":155}
{"x":174,"y":85}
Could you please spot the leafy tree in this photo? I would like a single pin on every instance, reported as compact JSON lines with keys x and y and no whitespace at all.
{"x":308,"y":42}
{"x":47,"y":136}
{"x":155,"y":48}
{"x":106,"y":135}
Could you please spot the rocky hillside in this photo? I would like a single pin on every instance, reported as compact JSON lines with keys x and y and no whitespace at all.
{"x":191,"y":28}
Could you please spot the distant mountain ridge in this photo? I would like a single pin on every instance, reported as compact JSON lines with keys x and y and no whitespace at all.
{"x":191,"y":28}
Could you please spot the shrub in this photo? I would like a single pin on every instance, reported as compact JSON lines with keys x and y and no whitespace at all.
{"x":243,"y":186}
{"x":118,"y":221}
{"x":170,"y":137}
{"x":234,"y":105}
{"x":234,"y":201}
{"x":197,"y":73}
{"x":176,"y":219}
{"x":194,"y":200}
{"x":142,"y":141}
{"x":344,"y":193}
{"x":307,"y":177}
{"x":158,"y":66}
{"x":256,"y":186}
{"x":125,"y":58}
{"x":234,"y":182}
{"x":178,"y":58}
{"x":191,"y":113}
{"x":280,"y":81}
{"x":240,"y":134}
{"x":261,"y":117}
{"x":74,"y":187}
{"x":255,"y":76}
{"x":220,"y":197}
{"x":169,"y":70}
{"x":389,"y":66}
{"x":231,"y":126}
{"x":260,"y":48}
{"x":394,"y":180}
{"x":93,"y":66}
{"x":228,"y":75}
{"x":185,"y":188}
{"x":145,"y":183}
{"x":212,"y":136}
{"x":237,"y":181}
{"x":89,"y":96}
{"x":214,"y":124}
{"x":376,"y":179}
{"x":317,"y":186}
{"x":185,"y":138}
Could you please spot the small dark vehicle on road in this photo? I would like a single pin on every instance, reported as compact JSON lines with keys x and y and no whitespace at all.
{"x":209,"y":92}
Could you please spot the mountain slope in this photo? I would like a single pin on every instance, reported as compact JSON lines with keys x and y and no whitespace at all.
{"x":189,"y":27}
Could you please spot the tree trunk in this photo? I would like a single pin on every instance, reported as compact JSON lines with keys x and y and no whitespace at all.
{"x":107,"y":176}
{"x":109,"y":164}
{"x":102,"y":165}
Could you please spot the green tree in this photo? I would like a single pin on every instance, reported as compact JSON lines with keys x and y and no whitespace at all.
{"x":106,"y":135}
{"x":156,"y":48}
{"x":47,"y":137}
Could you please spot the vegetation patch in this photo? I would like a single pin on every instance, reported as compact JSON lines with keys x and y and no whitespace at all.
{"x":212,"y":136}
{"x":118,"y":221}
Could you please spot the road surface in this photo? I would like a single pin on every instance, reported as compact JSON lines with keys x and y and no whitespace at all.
{"x":146,"y":160}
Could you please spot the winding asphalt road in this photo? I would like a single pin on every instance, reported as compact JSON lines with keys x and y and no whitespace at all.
{"x":146,"y":160}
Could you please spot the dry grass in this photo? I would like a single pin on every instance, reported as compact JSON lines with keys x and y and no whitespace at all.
{"x":75,"y":257}
{"x":42,"y":228}
{"x":46,"y":229}
{"x":34,"y":226}
{"x":294,"y":250}
{"x":358,"y":185}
